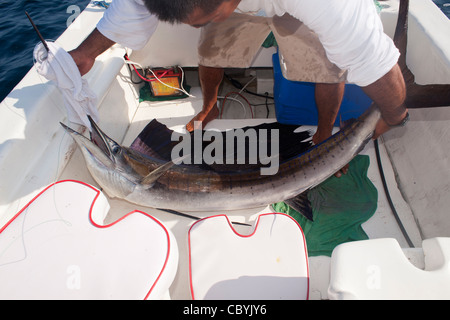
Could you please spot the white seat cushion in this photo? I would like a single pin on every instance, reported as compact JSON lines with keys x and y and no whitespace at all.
{"x":378,"y":269}
{"x":270,"y":263}
{"x":56,"y":248}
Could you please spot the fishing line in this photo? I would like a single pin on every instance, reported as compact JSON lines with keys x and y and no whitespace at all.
{"x":55,"y":104}
{"x":12,"y":242}
{"x":58,"y":159}
{"x":13,"y":109}
{"x":24,"y":214}
{"x":22,"y":237}
{"x":45,"y":81}
{"x":68,"y":223}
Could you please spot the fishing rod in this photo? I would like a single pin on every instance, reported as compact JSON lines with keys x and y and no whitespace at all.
{"x":38,"y":33}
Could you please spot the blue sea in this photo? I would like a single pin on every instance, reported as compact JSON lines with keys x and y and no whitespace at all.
{"x":18,"y":37}
{"x":51,"y":17}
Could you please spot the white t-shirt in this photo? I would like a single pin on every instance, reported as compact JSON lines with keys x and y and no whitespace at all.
{"x":350,"y":30}
{"x":129,"y":23}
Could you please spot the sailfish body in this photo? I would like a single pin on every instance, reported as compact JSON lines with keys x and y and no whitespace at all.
{"x":127,"y":174}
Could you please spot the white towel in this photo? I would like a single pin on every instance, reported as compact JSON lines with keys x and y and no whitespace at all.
{"x":58,"y":66}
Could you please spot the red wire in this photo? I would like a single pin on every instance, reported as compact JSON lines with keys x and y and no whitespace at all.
{"x":224,"y":100}
{"x":239,"y":94}
{"x":134,"y":67}
{"x":145,"y":79}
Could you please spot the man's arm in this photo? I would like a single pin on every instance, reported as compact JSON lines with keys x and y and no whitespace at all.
{"x":94,"y":45}
{"x":389,"y":93}
{"x":127,"y":22}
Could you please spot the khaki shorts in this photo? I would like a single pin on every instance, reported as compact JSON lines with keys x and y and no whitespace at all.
{"x":235,"y":42}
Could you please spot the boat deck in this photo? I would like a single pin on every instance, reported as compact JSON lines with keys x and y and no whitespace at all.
{"x":34,"y":155}
{"x":175,"y":114}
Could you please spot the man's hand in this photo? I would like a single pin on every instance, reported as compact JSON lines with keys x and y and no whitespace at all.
{"x":84,"y":62}
{"x":86,"y":53}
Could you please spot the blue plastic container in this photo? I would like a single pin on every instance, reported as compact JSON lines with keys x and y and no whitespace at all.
{"x":295,"y":102}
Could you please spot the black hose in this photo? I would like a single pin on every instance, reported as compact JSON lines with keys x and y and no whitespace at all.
{"x":196,"y":218}
{"x":386,"y":190}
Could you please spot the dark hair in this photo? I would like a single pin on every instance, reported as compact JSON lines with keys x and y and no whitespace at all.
{"x":176,"y":11}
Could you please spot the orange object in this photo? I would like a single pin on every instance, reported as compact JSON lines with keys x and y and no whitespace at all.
{"x":167,"y":82}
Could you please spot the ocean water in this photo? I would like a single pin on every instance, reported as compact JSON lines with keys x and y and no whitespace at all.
{"x":52,"y":18}
{"x":18,"y":37}
{"x":444,"y":5}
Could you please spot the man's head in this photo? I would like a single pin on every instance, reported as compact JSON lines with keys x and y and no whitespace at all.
{"x":196,"y":13}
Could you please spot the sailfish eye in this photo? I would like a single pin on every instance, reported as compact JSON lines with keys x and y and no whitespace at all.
{"x":115,"y":149}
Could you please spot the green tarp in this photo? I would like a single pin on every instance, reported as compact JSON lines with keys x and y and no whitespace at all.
{"x":340,"y":206}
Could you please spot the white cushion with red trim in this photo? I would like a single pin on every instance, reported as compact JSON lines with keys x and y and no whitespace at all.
{"x":379,"y":269}
{"x":270,"y":263}
{"x":55,"y":249}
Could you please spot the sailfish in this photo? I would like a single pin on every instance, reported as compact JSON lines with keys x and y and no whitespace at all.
{"x":127,"y":174}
